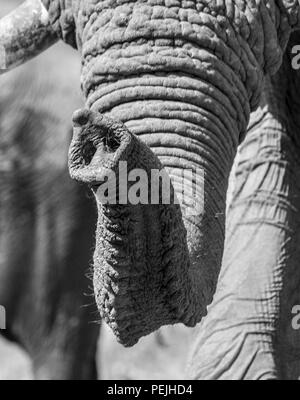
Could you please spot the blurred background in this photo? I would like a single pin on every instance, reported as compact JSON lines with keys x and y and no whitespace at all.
{"x":162,"y":355}
{"x":33,"y":104}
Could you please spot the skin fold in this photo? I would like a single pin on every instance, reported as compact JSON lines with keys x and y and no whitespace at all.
{"x":47,"y":222}
{"x":183,"y":78}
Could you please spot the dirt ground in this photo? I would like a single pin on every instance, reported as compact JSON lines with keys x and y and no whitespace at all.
{"x":162,"y":355}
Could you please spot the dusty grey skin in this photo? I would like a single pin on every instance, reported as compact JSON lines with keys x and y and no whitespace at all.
{"x":183,"y":77}
{"x":47,"y":222}
{"x":248,"y":333}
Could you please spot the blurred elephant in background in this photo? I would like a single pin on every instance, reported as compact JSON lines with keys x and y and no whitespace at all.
{"x":183,"y":77}
{"x":46,"y":220}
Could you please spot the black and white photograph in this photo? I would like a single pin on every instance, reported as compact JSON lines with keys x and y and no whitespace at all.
{"x":149,"y":193}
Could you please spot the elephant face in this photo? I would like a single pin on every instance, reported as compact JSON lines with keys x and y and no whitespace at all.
{"x":182,"y":77}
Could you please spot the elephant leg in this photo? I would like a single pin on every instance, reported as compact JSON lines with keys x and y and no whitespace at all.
{"x":245,"y":332}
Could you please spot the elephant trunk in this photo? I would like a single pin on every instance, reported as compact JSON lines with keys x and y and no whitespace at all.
{"x":152,"y":265}
{"x":158,"y":264}
{"x":183,"y":81}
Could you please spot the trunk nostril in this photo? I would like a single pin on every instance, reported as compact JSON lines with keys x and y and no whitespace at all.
{"x":111,"y":143}
{"x":88,"y":152}
{"x":81,"y":117}
{"x":97,"y":146}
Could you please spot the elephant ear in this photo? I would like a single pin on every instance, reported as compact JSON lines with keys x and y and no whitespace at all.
{"x":61,"y":14}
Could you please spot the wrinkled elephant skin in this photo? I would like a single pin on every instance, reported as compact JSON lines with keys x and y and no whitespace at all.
{"x":248,"y":333}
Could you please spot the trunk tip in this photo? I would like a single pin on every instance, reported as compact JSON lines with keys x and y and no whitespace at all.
{"x":98,"y":144}
{"x":81,"y":117}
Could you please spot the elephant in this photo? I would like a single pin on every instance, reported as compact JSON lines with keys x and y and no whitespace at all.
{"x":46,"y":221}
{"x":169,"y":87}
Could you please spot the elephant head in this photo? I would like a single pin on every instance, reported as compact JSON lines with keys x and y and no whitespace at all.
{"x":182,"y":79}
